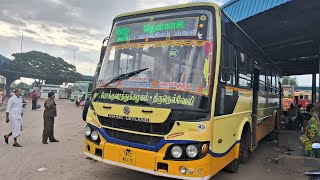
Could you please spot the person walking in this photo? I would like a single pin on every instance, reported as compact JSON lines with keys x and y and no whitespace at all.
{"x":34,"y":98}
{"x":1,"y":97}
{"x":49,"y":114}
{"x":14,"y":114}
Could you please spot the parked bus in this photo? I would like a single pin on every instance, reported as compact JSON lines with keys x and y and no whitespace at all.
{"x":80,"y":88}
{"x":65,"y":93}
{"x":304,"y":98}
{"x":288,"y":97}
{"x":46,"y":88}
{"x":184,"y":93}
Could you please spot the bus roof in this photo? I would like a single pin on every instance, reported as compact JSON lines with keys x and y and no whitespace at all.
{"x":169,"y":8}
{"x":83,"y":82}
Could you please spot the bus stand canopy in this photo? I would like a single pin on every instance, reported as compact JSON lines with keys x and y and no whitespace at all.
{"x":286,"y":30}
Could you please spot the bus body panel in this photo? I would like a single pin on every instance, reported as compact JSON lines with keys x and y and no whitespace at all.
{"x":223,"y":132}
{"x":158,"y":115}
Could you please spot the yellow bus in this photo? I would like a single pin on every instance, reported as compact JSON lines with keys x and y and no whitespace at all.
{"x":182,"y":92}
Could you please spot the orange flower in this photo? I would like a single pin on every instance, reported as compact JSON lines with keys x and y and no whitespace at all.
{"x":155,"y":83}
{"x":200,"y":88}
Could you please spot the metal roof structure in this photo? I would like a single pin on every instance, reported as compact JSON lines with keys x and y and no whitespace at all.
{"x":287,"y":30}
{"x":239,"y":10}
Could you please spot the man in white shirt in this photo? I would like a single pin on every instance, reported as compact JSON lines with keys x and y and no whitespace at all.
{"x":14,"y":114}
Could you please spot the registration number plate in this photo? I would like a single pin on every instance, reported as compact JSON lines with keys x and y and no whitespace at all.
{"x":128,"y":157}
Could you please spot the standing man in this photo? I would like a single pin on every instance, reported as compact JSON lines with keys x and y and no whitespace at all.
{"x":34,"y":98}
{"x":1,"y":97}
{"x":14,"y":114}
{"x":49,"y":113}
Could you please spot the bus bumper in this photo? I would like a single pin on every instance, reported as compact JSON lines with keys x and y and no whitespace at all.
{"x":148,"y":161}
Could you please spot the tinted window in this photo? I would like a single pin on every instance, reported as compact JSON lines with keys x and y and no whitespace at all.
{"x":228,"y":65}
{"x":244,"y":69}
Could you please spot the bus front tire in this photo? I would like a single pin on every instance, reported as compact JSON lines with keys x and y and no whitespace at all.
{"x":233,"y":166}
{"x":245,"y":146}
{"x":243,"y":151}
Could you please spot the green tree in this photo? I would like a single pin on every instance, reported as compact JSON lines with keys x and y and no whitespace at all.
{"x":22,"y":85}
{"x":35,"y":84}
{"x":13,"y":85}
{"x":293,"y":81}
{"x":44,"y":67}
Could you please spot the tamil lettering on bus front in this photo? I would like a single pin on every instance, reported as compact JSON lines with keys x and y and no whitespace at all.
{"x":153,"y":99}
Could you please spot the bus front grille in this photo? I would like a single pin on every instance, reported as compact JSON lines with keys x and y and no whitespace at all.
{"x":135,"y":138}
{"x":152,"y":128}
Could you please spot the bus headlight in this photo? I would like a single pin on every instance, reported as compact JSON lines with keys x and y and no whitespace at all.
{"x":192,"y":151}
{"x":176,"y":152}
{"x":94,"y":135}
{"x":87,"y":130}
{"x":187,"y":151}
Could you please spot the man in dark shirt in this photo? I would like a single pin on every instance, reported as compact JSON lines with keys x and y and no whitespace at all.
{"x":34,"y":98}
{"x":49,"y":113}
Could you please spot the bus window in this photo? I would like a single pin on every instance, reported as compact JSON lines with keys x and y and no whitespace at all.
{"x":268,"y":81}
{"x":125,"y":60}
{"x":274,"y":84}
{"x":277,"y":84}
{"x":148,"y":62}
{"x":228,"y":63}
{"x":90,"y":87}
{"x":244,"y":70}
{"x":262,"y":79}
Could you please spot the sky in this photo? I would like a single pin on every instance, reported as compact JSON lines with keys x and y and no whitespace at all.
{"x":64,"y":27}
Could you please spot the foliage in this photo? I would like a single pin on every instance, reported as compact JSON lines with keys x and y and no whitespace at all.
{"x":293,"y":81}
{"x":13,"y":85}
{"x":35,"y":84}
{"x":44,"y":67}
{"x":20,"y":85}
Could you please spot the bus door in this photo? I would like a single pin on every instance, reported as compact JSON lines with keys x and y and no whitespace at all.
{"x":255,"y":104}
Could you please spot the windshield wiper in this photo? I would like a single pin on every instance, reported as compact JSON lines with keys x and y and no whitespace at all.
{"x":118,"y":78}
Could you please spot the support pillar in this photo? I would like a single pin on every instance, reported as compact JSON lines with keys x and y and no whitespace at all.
{"x":319,"y":79}
{"x":314,"y":84}
{"x":319,"y":71}
{"x":8,"y":83}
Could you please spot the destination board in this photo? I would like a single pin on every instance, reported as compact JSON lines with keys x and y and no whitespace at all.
{"x":175,"y":27}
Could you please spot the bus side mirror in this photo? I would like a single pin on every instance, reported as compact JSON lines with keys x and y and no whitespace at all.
{"x":102,"y":53}
{"x":85,"y":109}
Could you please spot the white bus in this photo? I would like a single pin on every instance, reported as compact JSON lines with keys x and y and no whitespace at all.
{"x":64,"y":93}
{"x":46,"y":88}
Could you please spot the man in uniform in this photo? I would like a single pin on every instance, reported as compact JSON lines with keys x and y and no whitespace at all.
{"x":14,"y":114}
{"x":49,"y":113}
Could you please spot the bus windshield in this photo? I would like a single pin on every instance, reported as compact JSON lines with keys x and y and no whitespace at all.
{"x":177,"y":50}
{"x":80,"y":87}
